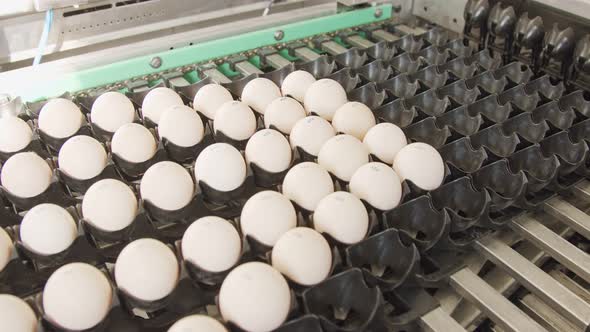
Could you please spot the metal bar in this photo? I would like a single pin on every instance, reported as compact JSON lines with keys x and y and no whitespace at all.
{"x":277,"y":61}
{"x":492,"y":303}
{"x":359,"y":41}
{"x":216,"y":75}
{"x":384,"y":35}
{"x":306,"y":54}
{"x":576,"y":288}
{"x":561,"y":250}
{"x":582,"y":189}
{"x":439,"y":321}
{"x":333,"y":47}
{"x":536,"y":281}
{"x":569,"y":214}
{"x":246,"y":68}
{"x":406,"y":30}
{"x":544,"y":314}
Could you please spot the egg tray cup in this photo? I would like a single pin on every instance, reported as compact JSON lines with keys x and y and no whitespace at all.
{"x":77,"y":188}
{"x":319,"y":68}
{"x":131,"y":171}
{"x":347,"y":78}
{"x":54,"y":144}
{"x":554,"y":116}
{"x":32,"y":109}
{"x":407,"y":63}
{"x":221,"y":137}
{"x":34,"y":146}
{"x":368,"y":94}
{"x":504,"y":186}
{"x":381,"y":50}
{"x":376,"y":71}
{"x":8,"y":217}
{"x":430,"y":78}
{"x":409,"y":44}
{"x":399,"y":86}
{"x":265,"y":179}
{"x":186,"y":155}
{"x":427,"y":131}
{"x":55,"y":194}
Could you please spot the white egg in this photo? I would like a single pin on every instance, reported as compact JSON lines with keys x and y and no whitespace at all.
{"x":26,"y":175}
{"x":16,"y":315}
{"x":197,"y":323}
{"x":342,"y":155}
{"x":147,"y":269}
{"x":255,"y":297}
{"x":283,"y":113}
{"x":306,"y":184}
{"x":343,"y":216}
{"x":48,"y":229}
{"x":182,"y":126}
{"x":421,"y":164}
{"x":310,"y":134}
{"x":235,"y":120}
{"x":134,"y":143}
{"x":167,"y":185}
{"x":269,"y":150}
{"x":157,"y":101}
{"x":212,"y":244}
{"x":109,"y":205}
{"x":302,"y":255}
{"x":378,"y":185}
{"x":259,"y":93}
{"x":353,"y":118}
{"x":296,"y":84}
{"x":384,"y":141}
{"x":111,"y":110}
{"x":324,"y":97}
{"x":220,"y":166}
{"x":77,"y":296}
{"x":15,"y":134}
{"x":60,"y":118}
{"x":209,"y":99}
{"x":266,"y":216}
{"x":82,"y":157}
{"x":6,"y":248}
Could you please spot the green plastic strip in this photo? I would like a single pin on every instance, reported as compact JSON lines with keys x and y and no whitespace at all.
{"x":200,"y":52}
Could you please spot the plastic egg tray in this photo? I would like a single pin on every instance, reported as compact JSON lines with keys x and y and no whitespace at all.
{"x":510,"y":140}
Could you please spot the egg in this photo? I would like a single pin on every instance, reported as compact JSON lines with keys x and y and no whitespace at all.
{"x":197,"y":323}
{"x":269,"y":150}
{"x":220,"y":166}
{"x":60,"y":118}
{"x":77,"y":296}
{"x":342,"y":155}
{"x":255,"y":297}
{"x":109,"y":205}
{"x":302,"y":255}
{"x":296,"y":84}
{"x":353,"y":118}
{"x":111,"y":110}
{"x":48,"y":229}
{"x":266,"y":216}
{"x":15,"y":134}
{"x":235,"y":120}
{"x":134,"y":143}
{"x":421,"y":164}
{"x":16,"y":315}
{"x":82,"y":157}
{"x":6,"y":248}
{"x":212,"y":244}
{"x":181,"y":126}
{"x":26,"y":175}
{"x":282,"y":113}
{"x":384,"y":141}
{"x":306,"y":184}
{"x":259,"y":93}
{"x":324,"y":97}
{"x":377,"y":184}
{"x":157,"y":101}
{"x":167,"y":185}
{"x":343,"y":216}
{"x":209,"y":99}
{"x":147,"y":269}
{"x":310,"y":134}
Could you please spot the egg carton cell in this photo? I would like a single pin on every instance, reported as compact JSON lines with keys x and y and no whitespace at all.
{"x":461,"y":122}
{"x":347,"y":78}
{"x":132,"y":171}
{"x":460,"y":68}
{"x":55,"y":193}
{"x":278,"y":75}
{"x":519,"y":97}
{"x":8,"y":217}
{"x":34,"y":146}
{"x":571,"y":156}
{"x":488,"y":82}
{"x":240,"y":194}
{"x":161,"y":218}
{"x":139,"y":89}
{"x":504,"y":186}
{"x":409,"y":44}
{"x":458,"y":48}
{"x":304,"y":323}
{"x":399,"y":86}
{"x":353,"y":58}
{"x":407,"y":63}
{"x":186,"y":155}
{"x":427,"y":131}
{"x":76,"y":187}
{"x":369,"y":95}
{"x":462,"y":157}
{"x":33,"y":108}
{"x":545,"y":87}
{"x":517,"y":72}
{"x":539,"y":169}
{"x":20,"y":280}
{"x":497,"y":143}
{"x":434,"y":55}
{"x":467,"y":206}
{"x":237,"y":86}
{"x":526,"y":127}
{"x":459,"y":92}
{"x":431,"y":77}
{"x":490,"y":109}
{"x":436,"y":36}
{"x":396,"y":112}
{"x":344,"y":302}
{"x":385,"y":260}
{"x":321,"y":67}
{"x":405,"y":307}
{"x":557,"y":118}
{"x":579,"y":101}
{"x":429,"y":102}
{"x":485,"y":60}
{"x":381,"y":51}
{"x":188,"y":92}
{"x":376,"y":71}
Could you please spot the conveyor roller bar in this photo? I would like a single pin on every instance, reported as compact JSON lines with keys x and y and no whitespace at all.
{"x":277,"y":61}
{"x":216,"y":75}
{"x":536,"y":281}
{"x":561,"y":250}
{"x":306,"y":54}
{"x":333,"y":47}
{"x":246,"y":68}
{"x":569,"y":214}
{"x":439,"y":321}
{"x":406,"y":30}
{"x":582,"y":190}
{"x":493,"y":304}
{"x":384,"y":35}
{"x":359,"y":41}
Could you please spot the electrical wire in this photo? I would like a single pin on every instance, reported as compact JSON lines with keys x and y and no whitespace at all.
{"x":44,"y":37}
